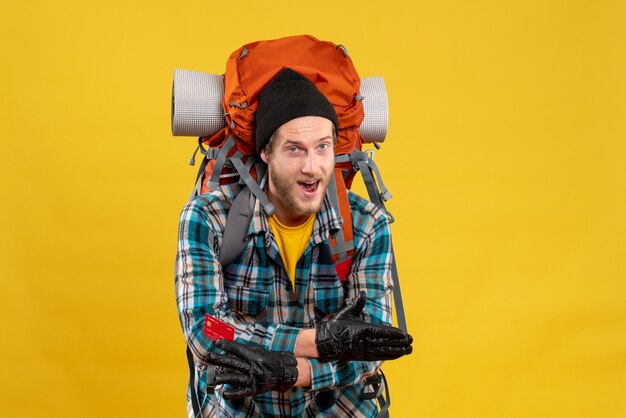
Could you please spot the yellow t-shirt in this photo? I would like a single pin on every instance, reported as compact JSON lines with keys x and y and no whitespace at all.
{"x":292,"y":241}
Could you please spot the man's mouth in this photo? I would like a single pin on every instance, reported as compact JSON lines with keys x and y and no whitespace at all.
{"x":309,"y":187}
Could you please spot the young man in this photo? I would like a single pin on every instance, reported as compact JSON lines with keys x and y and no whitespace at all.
{"x":281,"y":295}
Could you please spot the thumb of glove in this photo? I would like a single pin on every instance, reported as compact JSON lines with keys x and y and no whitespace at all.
{"x":354,"y":308}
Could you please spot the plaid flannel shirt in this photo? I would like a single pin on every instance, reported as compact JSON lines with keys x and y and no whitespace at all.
{"x":255,"y":295}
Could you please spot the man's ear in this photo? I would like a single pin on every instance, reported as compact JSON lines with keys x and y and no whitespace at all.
{"x":264,"y":156}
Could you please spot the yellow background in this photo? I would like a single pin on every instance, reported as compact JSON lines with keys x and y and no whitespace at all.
{"x":505,"y":156}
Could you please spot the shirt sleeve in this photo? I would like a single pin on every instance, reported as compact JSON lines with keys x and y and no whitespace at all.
{"x":370,"y":271}
{"x":200,"y":286}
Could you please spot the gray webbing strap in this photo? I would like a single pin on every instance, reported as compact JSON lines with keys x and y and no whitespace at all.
{"x":383,"y":401}
{"x":378,"y":382}
{"x":342,"y":158}
{"x":192,"y":161}
{"x":236,"y":154}
{"x":249,"y":162}
{"x":370,"y":185}
{"x":214,"y":181}
{"x":195,"y":403}
{"x":376,"y":189}
{"x":341,"y":247}
{"x":245,"y":176}
{"x":397,"y":294}
{"x":384,"y":193}
{"x":229,"y":164}
{"x":236,"y":228}
{"x":366,"y":165}
{"x":197,"y":187}
{"x":260,"y":168}
{"x":209,"y":153}
{"x":199,"y":177}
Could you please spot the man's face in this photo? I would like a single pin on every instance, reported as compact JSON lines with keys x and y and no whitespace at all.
{"x":301,"y":162}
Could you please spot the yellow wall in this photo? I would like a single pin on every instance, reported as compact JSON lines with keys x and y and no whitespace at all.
{"x":505,"y":155}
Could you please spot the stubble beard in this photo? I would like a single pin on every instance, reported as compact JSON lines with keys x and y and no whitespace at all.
{"x":286,"y":188}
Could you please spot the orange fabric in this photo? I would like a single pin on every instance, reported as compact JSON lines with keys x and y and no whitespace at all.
{"x":343,"y":268}
{"x":344,"y":205}
{"x":321,"y":62}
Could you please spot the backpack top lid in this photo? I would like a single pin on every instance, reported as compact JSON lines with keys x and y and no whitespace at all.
{"x":328,"y":66}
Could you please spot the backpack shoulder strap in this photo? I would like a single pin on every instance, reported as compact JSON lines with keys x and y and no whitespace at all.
{"x":397,"y":294}
{"x":237,"y":223}
{"x":341,"y":244}
{"x":195,"y":403}
{"x":240,"y":213}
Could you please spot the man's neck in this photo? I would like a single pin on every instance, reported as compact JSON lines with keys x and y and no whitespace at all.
{"x":288,"y":219}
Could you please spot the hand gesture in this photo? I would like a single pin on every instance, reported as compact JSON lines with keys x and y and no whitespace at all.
{"x":347,"y":337}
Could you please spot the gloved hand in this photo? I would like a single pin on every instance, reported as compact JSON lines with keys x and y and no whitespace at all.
{"x":347,"y":337}
{"x":254,"y":370}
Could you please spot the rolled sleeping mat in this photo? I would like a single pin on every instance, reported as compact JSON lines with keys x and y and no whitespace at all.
{"x":197,"y":105}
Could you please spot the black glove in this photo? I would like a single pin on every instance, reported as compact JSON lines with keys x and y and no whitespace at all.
{"x":347,"y":337}
{"x":253,"y":370}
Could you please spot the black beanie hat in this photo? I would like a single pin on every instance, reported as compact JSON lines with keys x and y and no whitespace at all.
{"x":289,"y":96}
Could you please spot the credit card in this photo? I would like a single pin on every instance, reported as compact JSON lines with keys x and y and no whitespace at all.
{"x":216,"y":329}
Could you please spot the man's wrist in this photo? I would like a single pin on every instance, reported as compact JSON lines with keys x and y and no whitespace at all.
{"x":304,"y":372}
{"x":305,"y":344}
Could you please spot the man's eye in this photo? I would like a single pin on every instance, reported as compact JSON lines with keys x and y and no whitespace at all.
{"x":293,"y":149}
{"x":323,"y":146}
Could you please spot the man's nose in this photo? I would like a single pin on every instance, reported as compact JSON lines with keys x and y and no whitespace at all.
{"x":310,"y":163}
